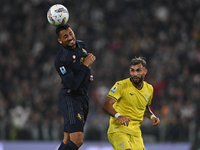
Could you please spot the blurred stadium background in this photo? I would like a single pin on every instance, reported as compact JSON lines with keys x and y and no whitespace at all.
{"x":165,"y":32}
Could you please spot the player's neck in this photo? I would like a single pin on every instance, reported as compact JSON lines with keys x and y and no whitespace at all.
{"x":138,"y":85}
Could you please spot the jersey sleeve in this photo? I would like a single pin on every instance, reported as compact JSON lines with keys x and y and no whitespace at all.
{"x":115,"y":91}
{"x":68,"y":78}
{"x":72,"y":81}
{"x":151,"y":96}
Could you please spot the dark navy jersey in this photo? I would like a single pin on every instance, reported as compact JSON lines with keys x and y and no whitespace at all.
{"x":75,"y":76}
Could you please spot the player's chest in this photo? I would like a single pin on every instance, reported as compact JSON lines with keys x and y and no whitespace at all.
{"x":76,"y":59}
{"x":136,"y":98}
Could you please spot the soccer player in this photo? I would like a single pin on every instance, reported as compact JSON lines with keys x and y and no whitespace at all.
{"x":127,"y":102}
{"x":73,"y":65}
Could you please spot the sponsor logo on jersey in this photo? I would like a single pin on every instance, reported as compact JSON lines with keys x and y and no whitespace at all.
{"x":116,"y":127}
{"x":114,"y":89}
{"x":146,"y":96}
{"x":63,"y":70}
{"x":132,"y":94}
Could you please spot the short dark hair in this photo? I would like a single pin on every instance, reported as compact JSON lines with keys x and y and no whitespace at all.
{"x":138,"y":60}
{"x":61,"y":27}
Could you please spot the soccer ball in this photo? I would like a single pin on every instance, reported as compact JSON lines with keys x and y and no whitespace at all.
{"x":57,"y":15}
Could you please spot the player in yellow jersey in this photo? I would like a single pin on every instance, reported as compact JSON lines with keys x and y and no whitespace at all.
{"x":127,"y":102}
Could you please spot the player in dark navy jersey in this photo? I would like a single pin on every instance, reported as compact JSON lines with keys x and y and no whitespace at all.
{"x":73,"y":65}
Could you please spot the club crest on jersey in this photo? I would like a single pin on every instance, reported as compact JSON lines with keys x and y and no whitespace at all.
{"x":74,"y":57}
{"x":114,"y":89}
{"x":84,"y":51}
{"x":63,"y":70}
{"x":146,"y":96}
{"x":122,"y":144}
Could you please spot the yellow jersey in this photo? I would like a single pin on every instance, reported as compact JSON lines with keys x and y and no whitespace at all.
{"x":130,"y":102}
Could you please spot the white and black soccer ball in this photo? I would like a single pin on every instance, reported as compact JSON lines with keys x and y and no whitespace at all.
{"x":57,"y":15}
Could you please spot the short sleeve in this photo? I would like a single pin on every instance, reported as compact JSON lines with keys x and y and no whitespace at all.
{"x":115,"y":91}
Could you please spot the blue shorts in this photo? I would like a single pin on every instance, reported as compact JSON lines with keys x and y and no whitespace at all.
{"x":74,"y":110}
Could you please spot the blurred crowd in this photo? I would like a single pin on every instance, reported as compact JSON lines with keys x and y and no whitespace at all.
{"x":165,"y":32}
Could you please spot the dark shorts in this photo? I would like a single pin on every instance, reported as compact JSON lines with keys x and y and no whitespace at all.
{"x":74,"y":110}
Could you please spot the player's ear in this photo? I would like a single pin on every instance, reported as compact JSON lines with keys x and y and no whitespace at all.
{"x":59,"y":41}
{"x":146,"y":71}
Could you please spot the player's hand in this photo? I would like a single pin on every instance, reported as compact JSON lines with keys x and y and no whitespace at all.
{"x":89,"y":59}
{"x":124,"y":120}
{"x":155,"y":121}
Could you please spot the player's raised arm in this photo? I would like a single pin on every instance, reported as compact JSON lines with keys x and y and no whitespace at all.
{"x":89,"y":59}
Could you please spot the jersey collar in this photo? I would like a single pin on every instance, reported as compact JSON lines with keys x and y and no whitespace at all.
{"x":77,"y":46}
{"x":135,"y":86}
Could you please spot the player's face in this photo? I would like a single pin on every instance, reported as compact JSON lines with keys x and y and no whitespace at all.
{"x":67,"y":38}
{"x":137,"y":73}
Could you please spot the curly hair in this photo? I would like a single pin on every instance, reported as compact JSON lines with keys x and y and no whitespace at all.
{"x":61,"y":27}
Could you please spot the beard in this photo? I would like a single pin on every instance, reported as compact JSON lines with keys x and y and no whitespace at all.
{"x":140,"y":79}
{"x":72,"y":46}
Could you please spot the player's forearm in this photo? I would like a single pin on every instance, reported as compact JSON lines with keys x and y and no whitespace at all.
{"x":148,"y":113}
{"x":108,"y":108}
{"x":73,"y":82}
{"x":79,"y":78}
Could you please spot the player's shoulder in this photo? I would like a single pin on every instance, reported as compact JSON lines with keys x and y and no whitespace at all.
{"x":63,"y":54}
{"x":59,"y":53}
{"x":123,"y":82}
{"x":82,"y":46}
{"x":80,"y":43}
{"x":148,"y":85}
